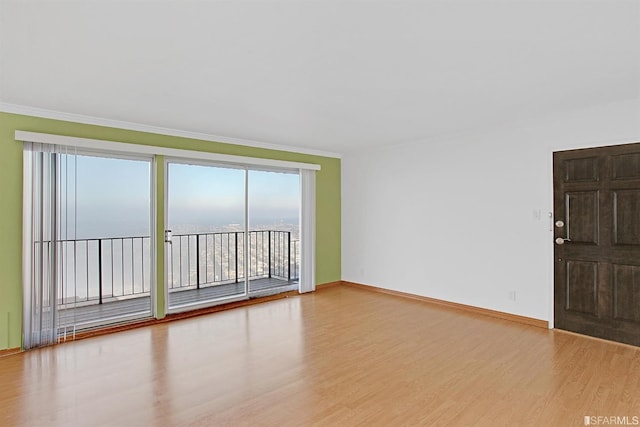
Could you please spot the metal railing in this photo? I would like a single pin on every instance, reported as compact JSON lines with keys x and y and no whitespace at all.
{"x":205,"y":259}
{"x":98,"y":270}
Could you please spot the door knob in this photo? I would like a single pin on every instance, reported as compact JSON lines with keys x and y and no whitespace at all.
{"x":561,"y":240}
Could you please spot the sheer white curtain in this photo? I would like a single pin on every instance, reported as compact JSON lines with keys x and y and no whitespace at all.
{"x":308,"y":231}
{"x":47,"y":208}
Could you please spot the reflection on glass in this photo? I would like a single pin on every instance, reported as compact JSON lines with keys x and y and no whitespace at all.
{"x":206,"y":217}
{"x":104,"y":249}
{"x":274,"y":231}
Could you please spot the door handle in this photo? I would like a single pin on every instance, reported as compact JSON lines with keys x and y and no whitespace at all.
{"x":561,"y":240}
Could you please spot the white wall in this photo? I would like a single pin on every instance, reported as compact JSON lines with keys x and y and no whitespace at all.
{"x":465,"y":219}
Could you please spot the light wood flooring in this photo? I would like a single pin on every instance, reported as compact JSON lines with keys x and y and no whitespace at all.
{"x":341,"y":356}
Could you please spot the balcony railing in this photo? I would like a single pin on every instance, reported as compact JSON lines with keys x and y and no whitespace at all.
{"x":99,"y":270}
{"x":207,"y":259}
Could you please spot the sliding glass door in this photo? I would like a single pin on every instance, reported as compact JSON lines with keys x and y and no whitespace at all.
{"x":236,"y":228}
{"x":88,"y":251}
{"x":232,"y":233}
{"x":206,"y":210}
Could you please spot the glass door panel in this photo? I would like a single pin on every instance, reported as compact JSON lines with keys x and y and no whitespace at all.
{"x":206,"y":218}
{"x":104,"y":244}
{"x":274,"y":231}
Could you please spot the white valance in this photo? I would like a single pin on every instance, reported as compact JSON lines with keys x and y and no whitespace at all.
{"x":126,"y":148}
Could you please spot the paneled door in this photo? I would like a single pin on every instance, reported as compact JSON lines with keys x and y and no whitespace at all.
{"x":597,"y":242}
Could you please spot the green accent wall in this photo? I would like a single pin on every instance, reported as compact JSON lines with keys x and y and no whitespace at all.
{"x":327,"y":203}
{"x":160,"y":307}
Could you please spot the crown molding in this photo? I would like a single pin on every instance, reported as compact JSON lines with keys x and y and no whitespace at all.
{"x":98,"y":121}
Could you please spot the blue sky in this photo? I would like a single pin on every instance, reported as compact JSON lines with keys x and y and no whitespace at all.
{"x":214,"y":196}
{"x":114,"y":196}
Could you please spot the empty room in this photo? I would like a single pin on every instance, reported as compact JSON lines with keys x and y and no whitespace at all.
{"x":341,"y":213}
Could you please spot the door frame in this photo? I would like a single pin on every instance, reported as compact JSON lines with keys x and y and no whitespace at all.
{"x":224,"y":300}
{"x":246,"y":168}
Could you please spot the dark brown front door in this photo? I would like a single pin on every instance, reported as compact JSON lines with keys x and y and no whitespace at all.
{"x":597,"y":242}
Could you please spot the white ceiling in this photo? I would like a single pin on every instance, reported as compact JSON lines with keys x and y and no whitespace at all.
{"x":325,"y":75}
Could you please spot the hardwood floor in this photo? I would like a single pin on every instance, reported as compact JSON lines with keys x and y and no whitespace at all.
{"x":341,"y":356}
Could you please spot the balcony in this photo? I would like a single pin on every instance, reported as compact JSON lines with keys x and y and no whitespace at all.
{"x":108,"y":280}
